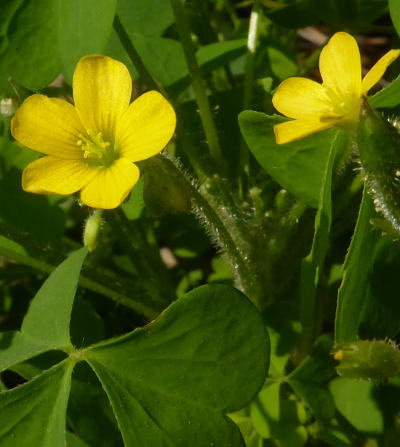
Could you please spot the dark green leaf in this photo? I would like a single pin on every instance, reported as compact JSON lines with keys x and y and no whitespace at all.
{"x":378,"y":144}
{"x":312,"y":265}
{"x":173,"y":379}
{"x":29,"y":44}
{"x":89,"y":411}
{"x":394,"y":8}
{"x":33,"y":414}
{"x":381,"y":311}
{"x":357,"y":268}
{"x":29,"y":213}
{"x":295,"y":166}
{"x":311,"y":377}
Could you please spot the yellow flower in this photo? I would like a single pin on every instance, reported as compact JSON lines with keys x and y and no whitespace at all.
{"x":92,"y":147}
{"x":337,"y":101}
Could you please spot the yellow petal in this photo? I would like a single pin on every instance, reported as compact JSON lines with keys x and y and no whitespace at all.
{"x":54,"y":175}
{"x":48,"y":125}
{"x":340,"y":67}
{"x":146,"y":127}
{"x":294,"y":130}
{"x":302,"y":98}
{"x":110,"y":186}
{"x":102,"y":92}
{"x":377,"y":71}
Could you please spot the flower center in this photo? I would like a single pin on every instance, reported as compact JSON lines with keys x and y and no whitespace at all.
{"x":342,"y":104}
{"x":96,"y":151}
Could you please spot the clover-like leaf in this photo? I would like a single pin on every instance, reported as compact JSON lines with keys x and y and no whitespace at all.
{"x":170,"y":382}
{"x":46,"y":325}
{"x":296,"y":166}
{"x":33,"y":414}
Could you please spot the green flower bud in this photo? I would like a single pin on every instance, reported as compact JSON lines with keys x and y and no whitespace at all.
{"x":373,"y":360}
{"x":91,"y":231}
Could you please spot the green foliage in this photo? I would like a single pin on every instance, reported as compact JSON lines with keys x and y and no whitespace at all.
{"x":46,"y":325}
{"x":29,"y":43}
{"x":311,"y":377}
{"x":351,"y":297}
{"x":158,"y":336}
{"x":373,"y":360}
{"x":290,"y":167}
{"x":353,"y":399}
{"x":376,"y":137}
{"x":164,"y":381}
{"x":35,"y":412}
{"x":78,"y":19}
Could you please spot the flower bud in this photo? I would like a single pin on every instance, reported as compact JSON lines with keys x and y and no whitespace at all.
{"x":91,"y":231}
{"x":373,"y":360}
{"x":8,"y":106}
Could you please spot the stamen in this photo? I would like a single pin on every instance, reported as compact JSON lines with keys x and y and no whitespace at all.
{"x":95,"y":149}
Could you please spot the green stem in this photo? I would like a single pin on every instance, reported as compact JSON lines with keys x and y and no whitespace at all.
{"x":213,"y":207}
{"x":248,"y":84}
{"x":251,"y":51}
{"x":84,"y":281}
{"x":150,"y":82}
{"x":134,"y":55}
{"x":197,"y":81}
{"x":6,"y":139}
{"x":232,"y":14}
{"x":313,"y":264}
{"x":145,"y":258}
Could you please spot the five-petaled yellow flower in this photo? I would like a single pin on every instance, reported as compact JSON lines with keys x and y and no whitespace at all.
{"x":92,"y":147}
{"x":337,"y":101}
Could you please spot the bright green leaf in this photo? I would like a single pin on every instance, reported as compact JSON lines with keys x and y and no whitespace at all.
{"x":354,"y":399}
{"x":145,"y":17}
{"x":216,"y":54}
{"x":394,"y":8}
{"x":280,"y":64}
{"x":74,"y":441}
{"x":387,"y":98}
{"x":33,"y":414}
{"x":134,"y":206}
{"x":46,"y":325}
{"x":173,"y":379}
{"x":295,"y":166}
{"x":163,"y":57}
{"x":277,"y":417}
{"x":84,"y":27}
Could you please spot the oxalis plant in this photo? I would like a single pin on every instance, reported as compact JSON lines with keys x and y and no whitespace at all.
{"x":203,"y":199}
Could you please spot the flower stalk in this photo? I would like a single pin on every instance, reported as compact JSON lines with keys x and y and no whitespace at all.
{"x":197,"y":82}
